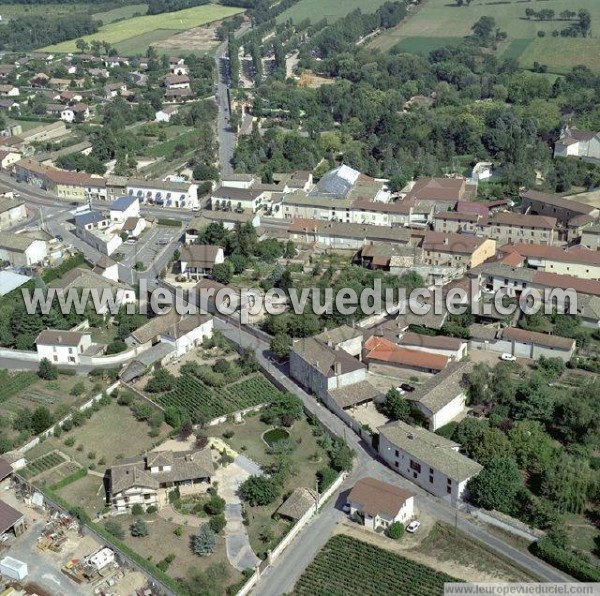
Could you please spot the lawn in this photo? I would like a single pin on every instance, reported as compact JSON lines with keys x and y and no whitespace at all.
{"x":306,"y":460}
{"x":87,"y":492}
{"x":332,"y":10}
{"x":118,"y":14}
{"x":438,"y":20}
{"x":346,"y":566}
{"x":109,"y":433}
{"x":121,"y":31}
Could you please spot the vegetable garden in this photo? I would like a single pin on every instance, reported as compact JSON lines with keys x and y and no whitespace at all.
{"x":346,"y":566}
{"x":202,"y":401}
{"x":42,"y":464}
{"x":12,"y":384}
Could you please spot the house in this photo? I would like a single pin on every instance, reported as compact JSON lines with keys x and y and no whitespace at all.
{"x":81,"y":112}
{"x":11,"y":212}
{"x":321,"y":369}
{"x":443,"y":397}
{"x":563,"y":209}
{"x":147,"y":480}
{"x":451,"y":347}
{"x":111,"y":90}
{"x":456,"y":250}
{"x":382,"y":353}
{"x":590,"y":238}
{"x":343,"y":338}
{"x":8,"y":158}
{"x":178,"y":95}
{"x":197,"y":260}
{"x":578,"y":143}
{"x":11,"y":520}
{"x":164,"y":192}
{"x":380,"y":504}
{"x":133,"y":226}
{"x":165,"y":114}
{"x":91,"y":220}
{"x":176,"y":82}
{"x":22,"y":251}
{"x":238,"y":199}
{"x":62,"y":347}
{"x":429,"y":460}
{"x":445,"y":192}
{"x":124,"y":208}
{"x":78,"y":278}
{"x":210,"y":295}
{"x":298,"y":504}
{"x":243,"y":181}
{"x":9,"y":91}
{"x":228,"y":219}
{"x":106,"y":267}
{"x":530,"y":344}
{"x":505,"y":227}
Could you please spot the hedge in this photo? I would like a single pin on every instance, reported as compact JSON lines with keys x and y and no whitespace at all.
{"x":81,"y":473}
{"x":167,"y":221}
{"x":565,"y":561}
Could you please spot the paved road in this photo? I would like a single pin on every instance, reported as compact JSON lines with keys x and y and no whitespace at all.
{"x":281,"y":578}
{"x":227,"y":138}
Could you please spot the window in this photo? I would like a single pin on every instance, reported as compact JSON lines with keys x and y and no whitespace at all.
{"x":396,"y":464}
{"x":448,"y":490}
{"x":449,"y":481}
{"x":431,"y":479}
{"x":431,"y":470}
{"x":415,"y":466}
{"x":397,"y":453}
{"x":414,"y":474}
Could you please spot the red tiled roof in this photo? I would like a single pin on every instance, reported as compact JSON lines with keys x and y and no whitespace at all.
{"x":386,"y":351}
{"x":554,"y":253}
{"x":438,"y":189}
{"x":472,"y":207}
{"x":513,"y":259}
{"x":451,"y":243}
{"x":567,"y":282}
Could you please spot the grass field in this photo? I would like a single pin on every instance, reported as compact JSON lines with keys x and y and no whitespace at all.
{"x":11,"y":11}
{"x":332,"y":10}
{"x":437,"y":21}
{"x":181,"y":20}
{"x":116,"y":14}
{"x":346,"y":566}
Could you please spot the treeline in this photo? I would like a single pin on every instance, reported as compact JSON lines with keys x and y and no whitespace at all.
{"x":160,"y":6}
{"x":25,"y":33}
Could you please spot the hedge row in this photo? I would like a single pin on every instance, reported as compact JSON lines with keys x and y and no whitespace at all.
{"x":565,"y":561}
{"x":81,"y":473}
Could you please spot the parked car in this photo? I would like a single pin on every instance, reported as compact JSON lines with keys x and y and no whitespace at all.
{"x":406,"y":387}
{"x":413,"y":526}
{"x":130,"y":241}
{"x":163,"y":242}
{"x":508,"y":357}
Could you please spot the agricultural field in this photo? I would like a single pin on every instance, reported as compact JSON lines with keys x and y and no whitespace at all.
{"x":15,"y":383}
{"x":152,"y":26}
{"x":42,"y":464}
{"x":440,"y":22}
{"x":346,"y":566}
{"x":332,"y":10}
{"x":118,"y":14}
{"x":12,"y":11}
{"x":197,"y":398}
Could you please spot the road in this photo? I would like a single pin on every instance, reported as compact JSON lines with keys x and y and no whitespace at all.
{"x":227,"y":137}
{"x":286,"y":570}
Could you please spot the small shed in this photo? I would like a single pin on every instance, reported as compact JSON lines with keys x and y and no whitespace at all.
{"x":298,"y":503}
{"x":13,"y":568}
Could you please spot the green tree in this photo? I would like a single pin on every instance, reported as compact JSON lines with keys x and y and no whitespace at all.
{"x":496,"y":485}
{"x":203,"y":543}
{"x":259,"y":490}
{"x":162,"y":380}
{"x":217,"y":523}
{"x":41,"y":420}
{"x":533,"y":447}
{"x":47,"y":370}
{"x":114,"y":527}
{"x":222,"y":272}
{"x":139,"y":528}
{"x":491,"y":445}
{"x":281,"y":344}
{"x":215,"y":505}
{"x":395,"y":530}
{"x":395,"y":407}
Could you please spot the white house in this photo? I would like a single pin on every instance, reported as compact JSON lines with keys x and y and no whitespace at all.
{"x":133,"y":226}
{"x":343,"y":338}
{"x":21,"y":251}
{"x":234,"y":198}
{"x":165,"y":114}
{"x":429,"y":460}
{"x":62,"y":347}
{"x":8,"y":157}
{"x":176,"y":82}
{"x":11,"y":212}
{"x":9,"y":91}
{"x":188,"y":333}
{"x":107,"y":268}
{"x":198,"y":260}
{"x":321,"y":369}
{"x":380,"y":504}
{"x":578,"y":143}
{"x":164,"y":192}
{"x":124,"y":207}
{"x":244,"y":181}
{"x":67,"y":114}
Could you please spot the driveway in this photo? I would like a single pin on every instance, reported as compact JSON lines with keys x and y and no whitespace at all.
{"x":239,"y":551}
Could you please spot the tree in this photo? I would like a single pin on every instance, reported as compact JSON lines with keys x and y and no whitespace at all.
{"x":281,"y":344}
{"x":259,"y":490}
{"x":217,"y":523}
{"x":532,"y":445}
{"x":215,"y":505}
{"x":47,"y":370}
{"x":78,"y":389}
{"x":395,"y":407}
{"x":395,"y":530}
{"x":222,"y":272}
{"x":566,"y":483}
{"x":496,"y":485}
{"x":82,"y":45}
{"x":492,"y":444}
{"x":286,"y":406}
{"x":585,"y":22}
{"x":342,"y":456}
{"x":162,"y":380}
{"x":137,"y":509}
{"x":469,"y":432}
{"x":41,"y":420}
{"x":114,"y":527}
{"x":139,"y":528}
{"x":203,"y":543}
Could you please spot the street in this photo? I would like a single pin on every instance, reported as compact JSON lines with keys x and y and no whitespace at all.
{"x":286,"y":570}
{"x":227,"y":138}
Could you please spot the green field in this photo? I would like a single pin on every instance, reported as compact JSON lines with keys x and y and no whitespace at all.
{"x":181,"y":20}
{"x":125,"y":12}
{"x":332,"y":10}
{"x":437,"y":21}
{"x":12,"y":11}
{"x":347,"y":567}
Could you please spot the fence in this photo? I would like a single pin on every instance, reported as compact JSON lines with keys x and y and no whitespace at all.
{"x":289,"y":537}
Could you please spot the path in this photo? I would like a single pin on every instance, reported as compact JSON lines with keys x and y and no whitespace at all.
{"x":239,"y":551}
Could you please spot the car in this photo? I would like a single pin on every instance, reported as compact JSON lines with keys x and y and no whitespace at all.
{"x":508,"y":357}
{"x":406,"y":387}
{"x":130,"y":241}
{"x":413,"y":526}
{"x":195,"y":209}
{"x":163,"y":242}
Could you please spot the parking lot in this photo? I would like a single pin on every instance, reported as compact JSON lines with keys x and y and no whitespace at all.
{"x":152,"y":242}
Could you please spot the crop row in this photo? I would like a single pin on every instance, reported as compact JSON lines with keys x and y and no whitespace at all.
{"x":199,"y":399}
{"x":42,"y":464}
{"x":12,"y":384}
{"x":346,"y":566}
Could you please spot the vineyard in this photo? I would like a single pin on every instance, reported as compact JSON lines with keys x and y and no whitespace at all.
{"x":204,"y":402}
{"x":346,"y":566}
{"x":11,"y":384}
{"x":42,"y":464}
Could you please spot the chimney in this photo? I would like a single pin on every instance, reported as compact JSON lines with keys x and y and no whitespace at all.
{"x":337,"y":368}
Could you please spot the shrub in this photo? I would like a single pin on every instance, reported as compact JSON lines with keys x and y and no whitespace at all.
{"x":178,"y":531}
{"x":204,"y":542}
{"x":102,"y":461}
{"x":259,"y":490}
{"x":217,"y":523}
{"x":125,"y":399}
{"x":228,"y":434}
{"x":78,"y":389}
{"x":91,"y":455}
{"x":67,"y":425}
{"x":151,"y":509}
{"x":395,"y":531}
{"x":566,"y":561}
{"x":139,"y":528}
{"x":47,"y":370}
{"x":70,"y":441}
{"x":215,"y":506}
{"x":164,"y":564}
{"x":114,"y":527}
{"x":137,"y":509}
{"x":326,"y":477}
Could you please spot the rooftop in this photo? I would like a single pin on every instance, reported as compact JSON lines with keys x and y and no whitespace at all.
{"x":55,"y":337}
{"x":386,"y":351}
{"x":376,"y":497}
{"x":558,"y":201}
{"x":9,"y":516}
{"x":540,"y":339}
{"x":123,"y":203}
{"x":324,"y":358}
{"x":338,"y":335}
{"x":354,"y":394}
{"x":298,"y":503}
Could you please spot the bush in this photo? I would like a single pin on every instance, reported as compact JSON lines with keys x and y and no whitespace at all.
{"x":47,"y":370}
{"x":565,"y":561}
{"x":395,"y":531}
{"x":139,"y":528}
{"x":164,"y":564}
{"x":228,"y":434}
{"x":78,"y":389}
{"x":125,"y":399}
{"x":326,"y":477}
{"x":215,"y":506}
{"x":114,"y":527}
{"x":70,"y":441}
{"x":259,"y":490}
{"x":178,"y":531}
{"x":217,"y":523}
{"x":137,"y":509}
{"x":151,"y":509}
{"x":204,"y":542}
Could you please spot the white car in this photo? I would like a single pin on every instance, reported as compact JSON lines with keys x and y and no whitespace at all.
{"x":413,"y":526}
{"x":508,"y":357}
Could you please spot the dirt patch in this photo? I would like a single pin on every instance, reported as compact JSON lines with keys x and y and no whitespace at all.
{"x":199,"y":39}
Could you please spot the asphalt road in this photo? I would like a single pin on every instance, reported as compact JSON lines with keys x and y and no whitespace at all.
{"x":288,"y":568}
{"x":227,"y":138}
